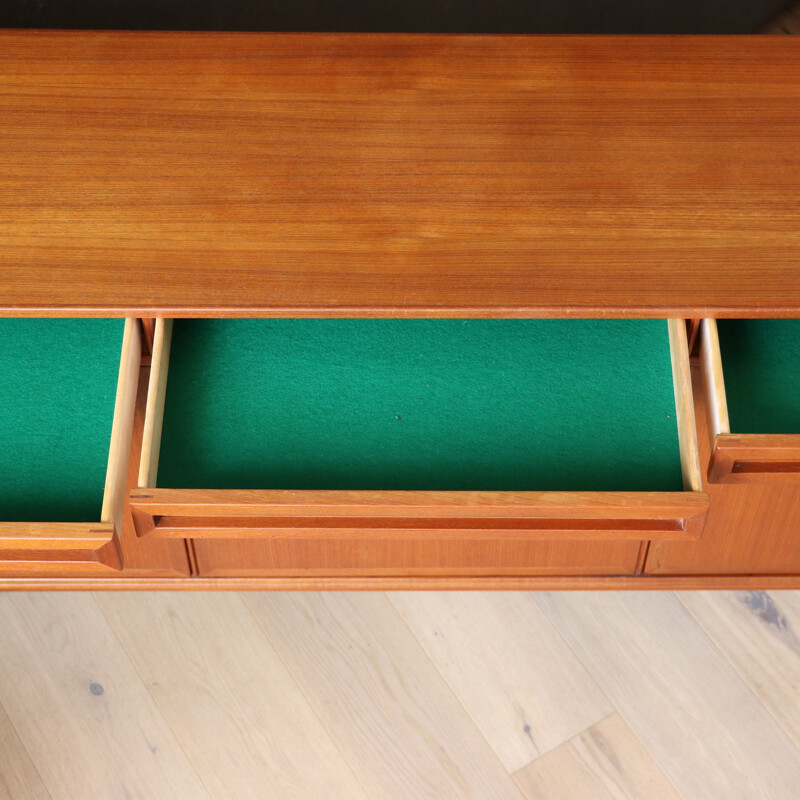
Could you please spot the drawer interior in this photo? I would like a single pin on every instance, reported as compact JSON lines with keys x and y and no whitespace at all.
{"x":371,"y":404}
{"x":57,"y":398}
{"x":761,"y":367}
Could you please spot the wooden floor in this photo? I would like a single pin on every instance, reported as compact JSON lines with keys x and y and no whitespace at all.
{"x":407,"y":695}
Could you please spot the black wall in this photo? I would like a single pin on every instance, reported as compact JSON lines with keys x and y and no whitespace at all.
{"x":446,"y":16}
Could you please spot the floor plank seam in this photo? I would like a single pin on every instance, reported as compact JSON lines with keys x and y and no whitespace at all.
{"x":447,"y":683}
{"x":157,"y":705}
{"x":25,"y":748}
{"x":565,"y":742}
{"x":308,"y":700}
{"x":742,"y":676}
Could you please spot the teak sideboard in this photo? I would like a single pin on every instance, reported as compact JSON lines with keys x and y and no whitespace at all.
{"x":384,"y":311}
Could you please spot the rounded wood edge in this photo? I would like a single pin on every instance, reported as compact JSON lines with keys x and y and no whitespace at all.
{"x":684,"y":405}
{"x":755,"y":458}
{"x":713,"y":380}
{"x":255,"y":311}
{"x":156,"y":397}
{"x":114,"y":492}
{"x":410,"y":583}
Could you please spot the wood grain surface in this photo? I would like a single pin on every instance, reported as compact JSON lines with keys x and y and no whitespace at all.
{"x":59,"y":549}
{"x":697,"y":702}
{"x":740,"y":457}
{"x":70,"y":689}
{"x":457,"y":582}
{"x":733,"y":620}
{"x":387,"y":515}
{"x":119,"y":453}
{"x":755,"y":458}
{"x":751,"y":528}
{"x":347,"y":652}
{"x":309,"y":562}
{"x":19,"y":777}
{"x":161,"y":557}
{"x":522,"y":719}
{"x":388,"y":175}
{"x":215,"y":677}
{"x":410,"y":696}
{"x":605,"y":761}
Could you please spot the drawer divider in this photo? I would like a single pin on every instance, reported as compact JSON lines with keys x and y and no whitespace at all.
{"x":156,"y":397}
{"x":684,"y":406}
{"x":115,"y":491}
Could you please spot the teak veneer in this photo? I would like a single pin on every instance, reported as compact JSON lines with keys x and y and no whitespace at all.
{"x":432,"y":515}
{"x":165,"y":175}
{"x":222,"y":174}
{"x":740,"y":457}
{"x":77,"y":548}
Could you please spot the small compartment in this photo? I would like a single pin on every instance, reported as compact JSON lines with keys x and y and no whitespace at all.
{"x":67,"y":399}
{"x":751,"y":375}
{"x":364,"y":428}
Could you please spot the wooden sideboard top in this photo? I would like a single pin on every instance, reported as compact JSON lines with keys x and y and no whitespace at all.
{"x":192,"y":174}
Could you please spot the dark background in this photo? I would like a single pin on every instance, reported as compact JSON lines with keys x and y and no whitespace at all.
{"x":445,"y":16}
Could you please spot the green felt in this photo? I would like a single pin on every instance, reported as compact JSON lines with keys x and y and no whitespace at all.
{"x":58,"y":384}
{"x":761,"y":365}
{"x":420,"y":404}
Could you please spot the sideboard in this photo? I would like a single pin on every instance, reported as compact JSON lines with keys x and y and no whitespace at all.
{"x":387,"y":311}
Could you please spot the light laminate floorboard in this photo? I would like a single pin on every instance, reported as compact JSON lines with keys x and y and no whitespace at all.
{"x":218,"y":680}
{"x":367,"y":695}
{"x":395,"y":718}
{"x":535,"y":693}
{"x":87,"y":721}
{"x":735,"y":622}
{"x":605,"y":762}
{"x":19,"y":779}
{"x":682,"y":698}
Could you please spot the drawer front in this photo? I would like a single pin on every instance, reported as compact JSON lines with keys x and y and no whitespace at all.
{"x":409,"y":556}
{"x":741,"y":456}
{"x":376,"y":516}
{"x":751,"y":528}
{"x":58,"y":550}
{"x":63,"y":395}
{"x":370,"y":515}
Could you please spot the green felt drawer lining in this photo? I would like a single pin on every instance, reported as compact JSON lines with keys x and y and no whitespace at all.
{"x":420,"y":404}
{"x":58,"y":383}
{"x":761,"y":367}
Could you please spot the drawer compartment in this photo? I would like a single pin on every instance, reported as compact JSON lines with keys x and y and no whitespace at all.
{"x":372,"y":429}
{"x":751,"y":377}
{"x":67,"y":399}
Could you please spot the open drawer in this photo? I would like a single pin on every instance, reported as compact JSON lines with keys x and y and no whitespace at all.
{"x":67,"y":402}
{"x":751,"y":377}
{"x":367,"y":429}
